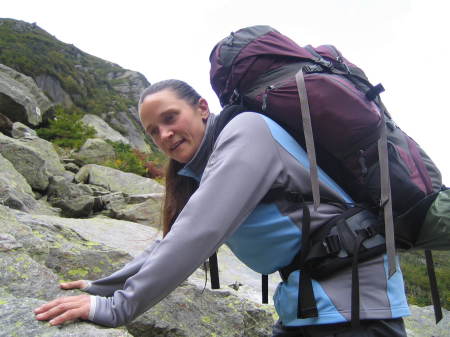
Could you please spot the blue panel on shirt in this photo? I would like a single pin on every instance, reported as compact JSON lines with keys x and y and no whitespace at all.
{"x":285,"y":300}
{"x":278,"y":240}
{"x":396,"y":291}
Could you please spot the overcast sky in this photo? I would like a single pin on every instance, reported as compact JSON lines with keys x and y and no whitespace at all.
{"x":401,"y":43}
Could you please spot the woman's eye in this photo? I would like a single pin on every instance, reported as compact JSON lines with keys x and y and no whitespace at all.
{"x":169,"y":118}
{"x":153,"y":132}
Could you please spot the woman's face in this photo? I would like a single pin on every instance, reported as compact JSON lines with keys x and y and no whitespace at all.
{"x":175,"y":126}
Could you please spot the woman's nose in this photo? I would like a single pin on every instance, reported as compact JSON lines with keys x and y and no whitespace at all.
{"x":166,"y":133}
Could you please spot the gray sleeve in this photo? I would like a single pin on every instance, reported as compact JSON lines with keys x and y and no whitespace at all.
{"x":243,"y":166}
{"x":108,"y":285}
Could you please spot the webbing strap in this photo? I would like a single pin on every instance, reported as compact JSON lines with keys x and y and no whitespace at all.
{"x":355,"y":284}
{"x":306,"y":302}
{"x":433,"y":286}
{"x":265,"y":288}
{"x":214,"y":271}
{"x":309,"y":139}
{"x":386,"y":199}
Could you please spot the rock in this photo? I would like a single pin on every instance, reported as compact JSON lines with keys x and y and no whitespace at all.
{"x":95,"y":151}
{"x":14,"y":198}
{"x":8,"y":242}
{"x":49,"y":242}
{"x":20,"y":97}
{"x":5,"y":125}
{"x":71,"y":167}
{"x":147,"y":212}
{"x":18,"y":319}
{"x":13,"y":178}
{"x":75,"y":200}
{"x":129,"y":125}
{"x":24,"y":277}
{"x":103,"y":130}
{"x":52,"y":87}
{"x":190,"y":311}
{"x":422,"y":323}
{"x":138,"y":198}
{"x":35,"y":159}
{"x":20,"y":130}
{"x":80,"y":207}
{"x":129,"y":83}
{"x":116,"y":180}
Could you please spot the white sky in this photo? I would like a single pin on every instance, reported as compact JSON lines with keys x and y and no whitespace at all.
{"x":403,"y":44}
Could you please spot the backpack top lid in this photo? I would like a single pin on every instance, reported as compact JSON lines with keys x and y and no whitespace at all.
{"x":247,"y":53}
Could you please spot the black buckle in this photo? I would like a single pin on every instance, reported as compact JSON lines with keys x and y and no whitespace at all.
{"x":367,"y":232}
{"x":332,"y":244}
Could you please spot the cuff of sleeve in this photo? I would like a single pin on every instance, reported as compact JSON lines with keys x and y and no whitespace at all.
{"x":88,"y":285}
{"x":92,"y":308}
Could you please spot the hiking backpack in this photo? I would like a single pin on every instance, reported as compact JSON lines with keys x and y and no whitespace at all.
{"x":328,"y":105}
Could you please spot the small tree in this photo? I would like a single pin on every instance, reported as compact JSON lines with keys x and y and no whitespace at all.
{"x":67,"y":130}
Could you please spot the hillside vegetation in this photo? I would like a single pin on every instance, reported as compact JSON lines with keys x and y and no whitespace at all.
{"x":33,"y":52}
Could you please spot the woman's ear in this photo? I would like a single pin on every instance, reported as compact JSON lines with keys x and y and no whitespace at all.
{"x":203,"y":108}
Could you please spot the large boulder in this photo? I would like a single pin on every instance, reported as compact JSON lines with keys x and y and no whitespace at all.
{"x":35,"y":158}
{"x":95,"y":151}
{"x":103,"y":130}
{"x":74,"y":200}
{"x":20,"y":130}
{"x":21,"y":100}
{"x":116,"y":180}
{"x":129,"y":125}
{"x":15,"y":180}
{"x":146,"y":212}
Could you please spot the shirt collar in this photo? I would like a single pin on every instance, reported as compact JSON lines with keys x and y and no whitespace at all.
{"x":195,"y":167}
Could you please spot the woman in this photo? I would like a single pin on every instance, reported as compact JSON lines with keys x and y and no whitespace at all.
{"x":219,"y":185}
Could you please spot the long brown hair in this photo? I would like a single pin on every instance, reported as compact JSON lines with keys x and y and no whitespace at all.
{"x":178,"y":188}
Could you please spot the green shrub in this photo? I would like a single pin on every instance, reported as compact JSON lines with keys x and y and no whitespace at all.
{"x":126,"y":160}
{"x":66,"y":129}
{"x":416,"y":277}
{"x":131,"y":160}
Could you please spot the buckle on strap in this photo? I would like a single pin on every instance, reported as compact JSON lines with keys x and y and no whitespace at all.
{"x":332,"y":244}
{"x":367,"y":232}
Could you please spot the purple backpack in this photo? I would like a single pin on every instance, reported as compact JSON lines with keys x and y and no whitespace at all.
{"x":328,"y":105}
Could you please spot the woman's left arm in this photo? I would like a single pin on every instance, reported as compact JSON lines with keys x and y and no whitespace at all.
{"x":242,"y":168}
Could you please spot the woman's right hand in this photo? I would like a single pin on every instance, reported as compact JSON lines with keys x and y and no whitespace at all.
{"x":80,"y":284}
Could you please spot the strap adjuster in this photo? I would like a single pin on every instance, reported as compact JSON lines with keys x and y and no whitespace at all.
{"x":367,"y":232}
{"x":332,"y":244}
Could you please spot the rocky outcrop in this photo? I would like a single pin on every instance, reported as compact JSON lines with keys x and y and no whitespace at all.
{"x":51,"y":85}
{"x":103,"y":130}
{"x":128,"y":83}
{"x":20,"y":98}
{"x":36,"y":251}
{"x":95,"y":151}
{"x":34,"y":158}
{"x":129,"y":125}
{"x":117,"y":181}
